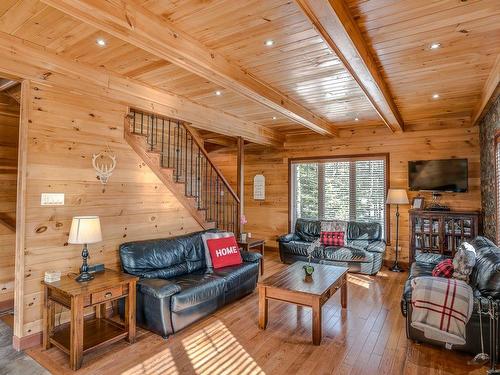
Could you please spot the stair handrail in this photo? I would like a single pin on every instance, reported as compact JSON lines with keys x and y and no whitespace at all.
{"x":219,"y":173}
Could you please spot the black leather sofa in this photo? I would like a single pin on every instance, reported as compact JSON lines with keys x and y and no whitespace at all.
{"x":362,"y":252}
{"x":176,"y":288}
{"x":485,"y":282}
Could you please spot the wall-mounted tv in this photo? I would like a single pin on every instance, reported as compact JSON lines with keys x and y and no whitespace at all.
{"x":448,"y":175}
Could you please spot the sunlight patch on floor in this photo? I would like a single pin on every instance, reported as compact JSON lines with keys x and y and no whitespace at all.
{"x":161,"y":363}
{"x":355,"y":279}
{"x":214,"y":350}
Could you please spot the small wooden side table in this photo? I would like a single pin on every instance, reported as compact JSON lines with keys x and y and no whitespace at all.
{"x":82,"y":335}
{"x":252,"y":243}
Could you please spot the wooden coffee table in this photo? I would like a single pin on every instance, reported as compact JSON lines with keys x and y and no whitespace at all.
{"x":290,"y":285}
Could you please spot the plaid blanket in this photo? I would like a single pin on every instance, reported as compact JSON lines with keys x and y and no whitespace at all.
{"x":441,"y":308}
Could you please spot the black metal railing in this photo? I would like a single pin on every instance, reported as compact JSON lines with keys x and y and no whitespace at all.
{"x":191,"y":165}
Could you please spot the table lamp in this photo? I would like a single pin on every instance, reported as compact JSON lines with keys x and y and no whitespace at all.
{"x":85,"y":230}
{"x":397,"y":197}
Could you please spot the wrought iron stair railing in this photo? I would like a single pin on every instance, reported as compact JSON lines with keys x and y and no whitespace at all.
{"x":191,"y":166}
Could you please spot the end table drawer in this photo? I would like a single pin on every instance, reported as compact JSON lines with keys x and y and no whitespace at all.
{"x":106,"y":295}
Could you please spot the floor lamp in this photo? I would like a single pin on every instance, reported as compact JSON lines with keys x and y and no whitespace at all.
{"x":397,"y":197}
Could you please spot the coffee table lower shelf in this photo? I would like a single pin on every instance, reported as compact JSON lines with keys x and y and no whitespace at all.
{"x":96,"y":333}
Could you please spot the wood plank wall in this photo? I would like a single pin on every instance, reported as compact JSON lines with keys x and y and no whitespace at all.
{"x":9,"y":127}
{"x":65,"y":130}
{"x":269,"y":219}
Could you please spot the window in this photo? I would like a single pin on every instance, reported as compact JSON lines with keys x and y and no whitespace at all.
{"x":352,"y":189}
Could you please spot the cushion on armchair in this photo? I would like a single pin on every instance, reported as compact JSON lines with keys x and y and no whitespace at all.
{"x":307,"y":230}
{"x":332,"y":238}
{"x":485,"y":276}
{"x":443,"y":269}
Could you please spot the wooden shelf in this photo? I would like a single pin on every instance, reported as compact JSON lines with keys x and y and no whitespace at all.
{"x":96,"y":333}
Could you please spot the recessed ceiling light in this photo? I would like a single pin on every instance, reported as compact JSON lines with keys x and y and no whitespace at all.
{"x":269,"y":42}
{"x":274,"y":117}
{"x":356,"y":119}
{"x":101,"y":42}
{"x":435,"y":96}
{"x":218,"y":93}
{"x":435,"y":45}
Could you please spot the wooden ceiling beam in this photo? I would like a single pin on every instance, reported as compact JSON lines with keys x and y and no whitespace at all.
{"x":490,"y":92}
{"x":334,"y":22}
{"x":221,"y":141}
{"x":28,"y":61}
{"x":138,"y":26}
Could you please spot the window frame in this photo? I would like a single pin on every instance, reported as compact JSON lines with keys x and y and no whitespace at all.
{"x":354,"y":157}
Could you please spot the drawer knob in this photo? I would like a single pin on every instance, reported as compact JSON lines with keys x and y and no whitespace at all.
{"x":108,"y":295}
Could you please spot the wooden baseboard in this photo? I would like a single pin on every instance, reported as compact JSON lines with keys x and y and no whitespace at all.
{"x":6,"y":305}
{"x":26,"y":342}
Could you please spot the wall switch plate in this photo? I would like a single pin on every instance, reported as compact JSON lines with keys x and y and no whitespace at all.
{"x":52,"y":199}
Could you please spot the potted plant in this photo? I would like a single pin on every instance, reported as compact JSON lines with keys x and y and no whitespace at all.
{"x":308,"y":268}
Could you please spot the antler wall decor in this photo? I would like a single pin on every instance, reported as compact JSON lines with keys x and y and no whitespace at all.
{"x":104,"y":163}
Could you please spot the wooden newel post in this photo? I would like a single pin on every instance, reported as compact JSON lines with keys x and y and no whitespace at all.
{"x":240,"y":181}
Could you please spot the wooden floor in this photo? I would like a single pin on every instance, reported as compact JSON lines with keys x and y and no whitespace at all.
{"x":368,"y":338}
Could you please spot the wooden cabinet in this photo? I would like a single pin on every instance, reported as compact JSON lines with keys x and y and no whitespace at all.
{"x":441,"y":232}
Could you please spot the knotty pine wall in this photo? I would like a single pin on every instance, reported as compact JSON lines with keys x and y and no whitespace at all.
{"x":269,"y":219}
{"x":9,"y":128}
{"x":65,"y":130}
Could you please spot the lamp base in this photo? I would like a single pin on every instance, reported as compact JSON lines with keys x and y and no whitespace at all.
{"x":84,"y":276}
{"x":395,"y":268}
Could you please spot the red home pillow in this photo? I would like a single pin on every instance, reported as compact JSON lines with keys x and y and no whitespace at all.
{"x":332,"y":238}
{"x":224,"y":252}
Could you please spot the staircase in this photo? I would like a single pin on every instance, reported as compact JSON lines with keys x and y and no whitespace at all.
{"x":179,"y":160}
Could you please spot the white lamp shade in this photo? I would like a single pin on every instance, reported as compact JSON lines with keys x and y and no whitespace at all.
{"x":85,"y":230}
{"x":397,"y":196}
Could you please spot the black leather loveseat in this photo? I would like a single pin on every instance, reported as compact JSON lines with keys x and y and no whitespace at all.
{"x":176,"y":288}
{"x":485,"y":282}
{"x":362,"y":252}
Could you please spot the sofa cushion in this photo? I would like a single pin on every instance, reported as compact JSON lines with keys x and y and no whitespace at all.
{"x":234,"y":276}
{"x":173,"y":256}
{"x":429,"y":258}
{"x":308,"y":230}
{"x":417,"y":269}
{"x":224,"y":252}
{"x":300,"y":248}
{"x":443,"y":269}
{"x":196,"y":288}
{"x":211,"y":236}
{"x":158,"y":288}
{"x":363,"y":231}
{"x":485,"y":275}
{"x":332,"y":238}
{"x":346,"y":254}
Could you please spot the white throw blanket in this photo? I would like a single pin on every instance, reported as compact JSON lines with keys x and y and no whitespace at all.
{"x":441,"y":308}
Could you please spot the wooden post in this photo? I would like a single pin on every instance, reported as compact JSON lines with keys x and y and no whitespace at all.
{"x":21,"y":212}
{"x":240,"y":190}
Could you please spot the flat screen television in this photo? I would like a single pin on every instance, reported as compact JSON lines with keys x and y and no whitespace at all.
{"x":448,"y":175}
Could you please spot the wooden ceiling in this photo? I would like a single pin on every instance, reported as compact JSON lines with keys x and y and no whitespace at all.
{"x":300,"y":65}
{"x":400,"y":34}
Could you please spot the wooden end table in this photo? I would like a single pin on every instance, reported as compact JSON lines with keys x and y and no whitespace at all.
{"x":254,"y":243}
{"x":81,"y":335}
{"x":290,"y":285}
